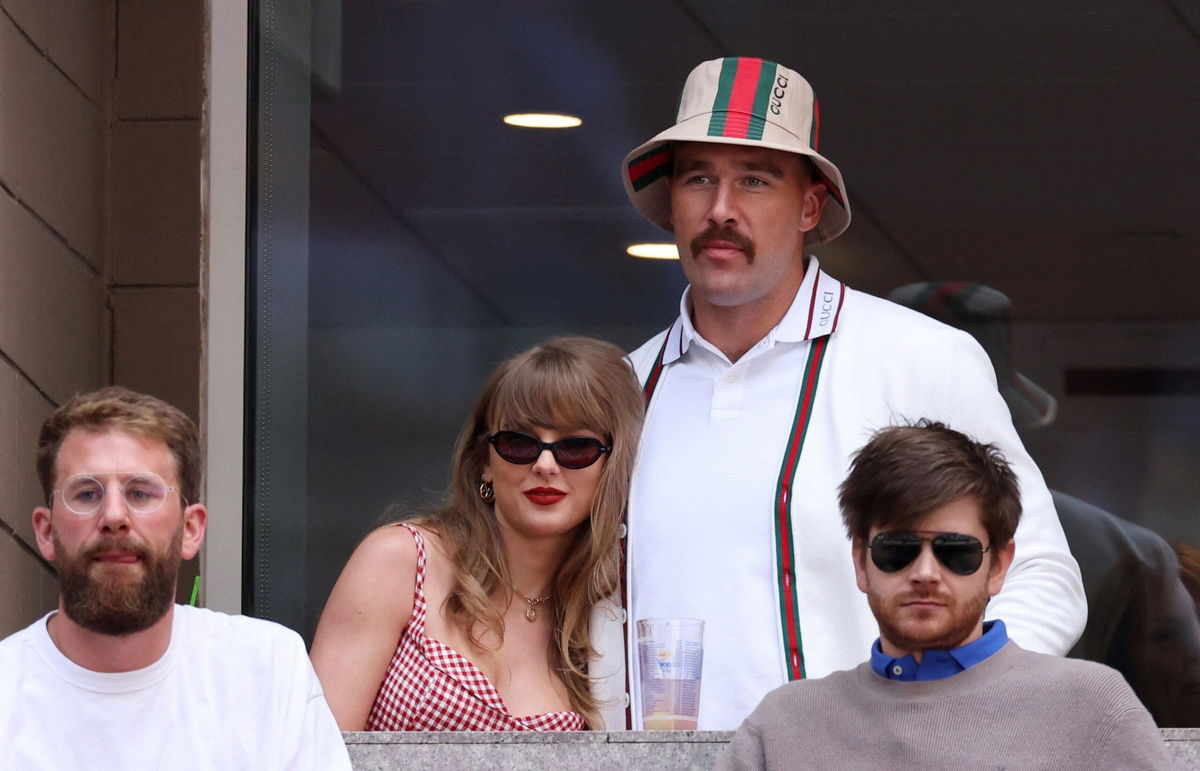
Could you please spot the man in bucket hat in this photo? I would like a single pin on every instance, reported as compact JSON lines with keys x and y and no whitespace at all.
{"x":772,"y":375}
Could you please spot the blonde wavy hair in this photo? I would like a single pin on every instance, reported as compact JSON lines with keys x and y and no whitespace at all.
{"x":566,"y":382}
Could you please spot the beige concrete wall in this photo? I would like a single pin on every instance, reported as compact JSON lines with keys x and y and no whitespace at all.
{"x":154,"y":199}
{"x":100,"y":107}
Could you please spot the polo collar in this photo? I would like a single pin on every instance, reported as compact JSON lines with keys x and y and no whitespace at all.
{"x":814,"y":312}
{"x":937,"y":664}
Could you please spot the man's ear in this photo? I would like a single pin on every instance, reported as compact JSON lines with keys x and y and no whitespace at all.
{"x":813,"y":203}
{"x":859,"y":553}
{"x":998,"y":567}
{"x":195,"y":523}
{"x":43,"y":529}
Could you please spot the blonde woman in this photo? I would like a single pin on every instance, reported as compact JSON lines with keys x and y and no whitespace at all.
{"x":477,"y":616}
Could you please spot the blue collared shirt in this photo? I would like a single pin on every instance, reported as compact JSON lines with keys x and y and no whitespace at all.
{"x":936,"y":664}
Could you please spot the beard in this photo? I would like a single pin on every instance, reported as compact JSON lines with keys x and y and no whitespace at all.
{"x":714,"y":233}
{"x":907,"y":631}
{"x":105,"y":598}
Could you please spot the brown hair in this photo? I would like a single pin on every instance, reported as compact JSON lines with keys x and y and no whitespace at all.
{"x":572,"y":382}
{"x":905,"y":472}
{"x":119,"y":408}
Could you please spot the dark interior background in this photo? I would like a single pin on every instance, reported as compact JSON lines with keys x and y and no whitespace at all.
{"x":408,"y":240}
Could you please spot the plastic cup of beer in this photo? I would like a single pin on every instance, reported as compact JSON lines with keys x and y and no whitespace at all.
{"x":670,"y":659}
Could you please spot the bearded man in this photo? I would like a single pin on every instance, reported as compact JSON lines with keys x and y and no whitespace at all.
{"x":119,"y":675}
{"x":931,"y":515}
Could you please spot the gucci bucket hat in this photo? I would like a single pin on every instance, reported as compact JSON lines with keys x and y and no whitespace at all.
{"x":739,"y":101}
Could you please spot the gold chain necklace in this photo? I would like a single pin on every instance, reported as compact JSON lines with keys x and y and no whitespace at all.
{"x":531,"y":604}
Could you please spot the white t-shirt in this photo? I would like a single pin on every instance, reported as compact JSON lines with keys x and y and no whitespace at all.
{"x":231,"y":692}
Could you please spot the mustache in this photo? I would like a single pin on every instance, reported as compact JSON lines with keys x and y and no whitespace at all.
{"x":124,"y":543}
{"x":922,"y":597}
{"x":724,"y":233}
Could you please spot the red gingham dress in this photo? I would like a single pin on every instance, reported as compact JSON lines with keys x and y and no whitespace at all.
{"x":429,"y":686}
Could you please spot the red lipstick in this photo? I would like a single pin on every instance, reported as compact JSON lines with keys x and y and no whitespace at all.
{"x":545,"y":496}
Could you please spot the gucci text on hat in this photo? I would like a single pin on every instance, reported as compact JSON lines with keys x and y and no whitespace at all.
{"x":739,"y":101}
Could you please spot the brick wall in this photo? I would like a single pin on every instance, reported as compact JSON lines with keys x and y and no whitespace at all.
{"x":100,"y":109}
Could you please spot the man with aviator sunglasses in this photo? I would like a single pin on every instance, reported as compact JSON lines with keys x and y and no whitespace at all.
{"x":931,"y":516}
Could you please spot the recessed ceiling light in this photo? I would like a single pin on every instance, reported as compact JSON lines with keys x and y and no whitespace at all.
{"x":544,"y":120}
{"x":653,"y":251}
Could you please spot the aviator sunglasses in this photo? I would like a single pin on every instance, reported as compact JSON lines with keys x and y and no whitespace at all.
{"x":572,"y":452}
{"x":896,"y":550}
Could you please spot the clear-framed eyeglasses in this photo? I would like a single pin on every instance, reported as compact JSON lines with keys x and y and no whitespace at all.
{"x":144,"y":492}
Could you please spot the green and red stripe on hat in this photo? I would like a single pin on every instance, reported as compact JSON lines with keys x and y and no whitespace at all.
{"x":743,"y":93}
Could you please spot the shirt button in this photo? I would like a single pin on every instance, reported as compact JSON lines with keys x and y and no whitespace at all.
{"x":897,"y":670}
{"x":626,"y":701}
{"x":624,"y":616}
{"x":621,"y":531}
{"x":730,"y":377}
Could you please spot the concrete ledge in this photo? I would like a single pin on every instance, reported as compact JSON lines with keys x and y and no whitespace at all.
{"x":1183,"y":744}
{"x":586,"y":750}
{"x":530,"y":751}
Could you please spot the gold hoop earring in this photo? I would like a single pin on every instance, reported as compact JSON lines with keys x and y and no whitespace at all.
{"x":486,"y":491}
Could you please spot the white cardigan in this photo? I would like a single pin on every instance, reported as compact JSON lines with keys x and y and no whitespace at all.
{"x":885,"y":365}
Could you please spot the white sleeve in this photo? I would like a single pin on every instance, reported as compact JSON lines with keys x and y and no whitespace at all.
{"x":325,"y":747}
{"x":1042,"y":603}
{"x":606,"y":667}
{"x":315,"y":740}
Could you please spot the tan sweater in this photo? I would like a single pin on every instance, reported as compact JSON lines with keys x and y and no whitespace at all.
{"x":1016,"y":710}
